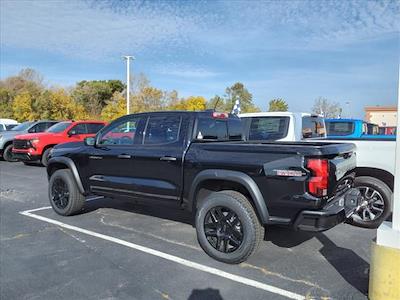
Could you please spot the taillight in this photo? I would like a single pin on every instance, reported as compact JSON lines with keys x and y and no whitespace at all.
{"x":318,"y":182}
{"x":219,"y":115}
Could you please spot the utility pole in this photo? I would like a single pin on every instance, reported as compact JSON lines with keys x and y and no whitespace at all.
{"x":128,"y":78}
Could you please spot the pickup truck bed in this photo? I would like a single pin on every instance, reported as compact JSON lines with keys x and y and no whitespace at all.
{"x":375,"y":155}
{"x":198,"y":161}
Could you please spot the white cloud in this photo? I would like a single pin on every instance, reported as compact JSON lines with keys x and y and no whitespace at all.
{"x":185,"y":71}
{"x":109,"y":28}
{"x":77,"y":29}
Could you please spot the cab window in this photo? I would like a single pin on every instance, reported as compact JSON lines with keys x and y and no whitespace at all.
{"x":162,"y":130}
{"x":93,"y":128}
{"x":212,"y":129}
{"x":124,"y":132}
{"x":78,"y":129}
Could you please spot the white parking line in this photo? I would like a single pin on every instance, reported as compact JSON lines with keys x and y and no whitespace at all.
{"x":173,"y":258}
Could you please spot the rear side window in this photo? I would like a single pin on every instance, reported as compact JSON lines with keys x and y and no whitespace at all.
{"x":313,"y":127}
{"x":235,"y":129}
{"x":339,"y":128}
{"x":268,"y":128}
{"x":93,"y":128}
{"x":162,"y":130}
{"x":40,"y":127}
{"x":212,"y":129}
{"x":49,"y":124}
{"x":79,"y":129}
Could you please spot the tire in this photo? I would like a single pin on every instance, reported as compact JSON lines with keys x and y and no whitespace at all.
{"x":72,"y":201}
{"x":7,"y":155}
{"x":244,"y":217}
{"x":45,"y":157}
{"x":372,"y":187}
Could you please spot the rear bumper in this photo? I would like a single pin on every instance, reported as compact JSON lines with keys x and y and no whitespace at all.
{"x":335,"y":212}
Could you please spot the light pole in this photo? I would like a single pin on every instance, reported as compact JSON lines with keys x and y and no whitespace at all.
{"x":128,"y":78}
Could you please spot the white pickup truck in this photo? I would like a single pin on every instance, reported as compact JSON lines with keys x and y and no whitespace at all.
{"x":375,"y":158}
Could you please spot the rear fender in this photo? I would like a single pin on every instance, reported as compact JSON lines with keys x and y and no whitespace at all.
{"x":232,"y":176}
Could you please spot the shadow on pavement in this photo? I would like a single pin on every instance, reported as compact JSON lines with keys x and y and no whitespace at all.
{"x":347,"y":263}
{"x":209,"y":294}
{"x":161,"y":211}
{"x":351,"y":267}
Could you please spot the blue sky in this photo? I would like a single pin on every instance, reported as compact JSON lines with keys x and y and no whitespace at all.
{"x":296,"y":50}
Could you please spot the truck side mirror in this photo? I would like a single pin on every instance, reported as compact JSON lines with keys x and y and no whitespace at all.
{"x":90,"y":141}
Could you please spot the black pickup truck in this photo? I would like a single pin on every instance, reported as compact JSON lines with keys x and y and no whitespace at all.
{"x":198,"y":161}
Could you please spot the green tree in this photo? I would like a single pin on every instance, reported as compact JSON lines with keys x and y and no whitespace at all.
{"x":239,"y":92}
{"x":326,"y":108}
{"x":278,"y":105}
{"x":95,"y":94}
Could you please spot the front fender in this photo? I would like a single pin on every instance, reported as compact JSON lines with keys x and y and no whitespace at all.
{"x":234,"y":176}
{"x":54,"y":162}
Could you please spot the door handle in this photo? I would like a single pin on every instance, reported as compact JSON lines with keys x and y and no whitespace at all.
{"x":168,"y":158}
{"x":124,"y":156}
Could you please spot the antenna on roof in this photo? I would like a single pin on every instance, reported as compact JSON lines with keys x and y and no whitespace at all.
{"x":216,"y":102}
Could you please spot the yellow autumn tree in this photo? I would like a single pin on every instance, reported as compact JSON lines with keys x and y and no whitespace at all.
{"x":63,"y":107}
{"x":22,"y":107}
{"x":190,"y":103}
{"x":114,"y":108}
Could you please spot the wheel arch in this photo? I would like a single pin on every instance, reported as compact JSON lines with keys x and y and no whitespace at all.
{"x":6,"y":144}
{"x":379,"y":174}
{"x":58,"y":163}
{"x":214,"y":180}
{"x":48,"y":146}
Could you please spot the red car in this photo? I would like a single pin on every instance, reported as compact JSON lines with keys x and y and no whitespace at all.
{"x":37,"y":146}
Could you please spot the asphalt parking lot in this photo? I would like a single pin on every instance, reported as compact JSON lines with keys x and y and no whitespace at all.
{"x":122,"y":250}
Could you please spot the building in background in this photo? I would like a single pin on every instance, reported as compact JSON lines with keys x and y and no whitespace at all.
{"x":384,"y":116}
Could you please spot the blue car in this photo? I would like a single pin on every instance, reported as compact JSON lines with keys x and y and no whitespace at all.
{"x":353,"y":129}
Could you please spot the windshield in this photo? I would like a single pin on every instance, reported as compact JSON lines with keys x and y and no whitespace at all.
{"x":59,"y":127}
{"x":339,"y":128}
{"x":22,"y":126}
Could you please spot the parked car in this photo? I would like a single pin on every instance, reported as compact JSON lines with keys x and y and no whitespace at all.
{"x":375,"y":159}
{"x":7,"y":124}
{"x":7,"y":137}
{"x":353,"y":129}
{"x":198,"y":161}
{"x":37,"y":146}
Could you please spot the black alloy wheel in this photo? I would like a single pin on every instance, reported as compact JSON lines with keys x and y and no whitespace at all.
{"x":60,"y":193}
{"x":223,"y":229}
